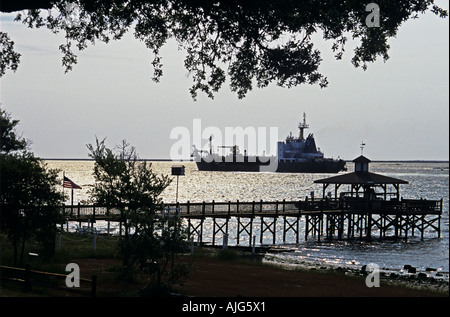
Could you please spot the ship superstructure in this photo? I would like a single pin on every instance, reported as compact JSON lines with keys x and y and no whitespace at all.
{"x":300,"y":154}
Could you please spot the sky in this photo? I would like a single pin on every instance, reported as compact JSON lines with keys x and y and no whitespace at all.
{"x":398,"y":108}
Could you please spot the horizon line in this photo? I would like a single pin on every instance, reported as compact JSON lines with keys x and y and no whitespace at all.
{"x":192,"y":160}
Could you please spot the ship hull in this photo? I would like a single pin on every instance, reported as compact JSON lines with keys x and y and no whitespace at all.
{"x":228,"y":166}
{"x":247,"y":165}
{"x":331,"y":166}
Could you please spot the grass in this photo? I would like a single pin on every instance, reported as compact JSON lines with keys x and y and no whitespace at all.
{"x":73,"y":248}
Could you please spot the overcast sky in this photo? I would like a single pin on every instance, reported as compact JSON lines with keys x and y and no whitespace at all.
{"x":400,"y":108}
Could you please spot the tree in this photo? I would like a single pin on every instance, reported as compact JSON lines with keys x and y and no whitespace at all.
{"x":252,"y":42}
{"x":123,"y":181}
{"x":10,"y":141}
{"x":30,"y":203}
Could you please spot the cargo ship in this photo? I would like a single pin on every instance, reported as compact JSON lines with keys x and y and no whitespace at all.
{"x":294,"y":155}
{"x":232,"y":162}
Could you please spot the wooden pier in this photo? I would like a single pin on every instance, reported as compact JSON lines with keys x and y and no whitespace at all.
{"x":319,"y":219}
{"x":371,"y":208}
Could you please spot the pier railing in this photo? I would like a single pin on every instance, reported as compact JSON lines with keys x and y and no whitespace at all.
{"x":269,"y":208}
{"x":211,"y":209}
{"x":395,"y":206}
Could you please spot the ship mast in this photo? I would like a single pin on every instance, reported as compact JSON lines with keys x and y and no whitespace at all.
{"x":210,"y":145}
{"x":362,"y":147}
{"x":303,"y":126}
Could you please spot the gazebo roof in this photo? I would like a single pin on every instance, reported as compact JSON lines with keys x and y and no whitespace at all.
{"x":361,"y":159}
{"x":361,"y":178}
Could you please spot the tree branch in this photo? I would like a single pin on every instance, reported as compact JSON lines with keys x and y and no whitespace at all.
{"x":19,"y":5}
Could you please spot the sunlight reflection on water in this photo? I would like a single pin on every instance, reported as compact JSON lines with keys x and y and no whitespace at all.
{"x":426,"y":180}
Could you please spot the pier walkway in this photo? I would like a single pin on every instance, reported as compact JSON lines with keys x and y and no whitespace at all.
{"x":325,"y":218}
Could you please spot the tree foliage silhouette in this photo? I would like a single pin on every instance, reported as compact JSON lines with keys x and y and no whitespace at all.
{"x":250,"y":42}
{"x":30,"y":201}
{"x":151,"y":240}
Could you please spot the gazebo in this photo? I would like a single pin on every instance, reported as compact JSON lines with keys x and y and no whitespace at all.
{"x":363,"y":183}
{"x":373,"y":201}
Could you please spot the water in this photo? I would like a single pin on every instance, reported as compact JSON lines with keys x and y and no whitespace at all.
{"x":426,"y":180}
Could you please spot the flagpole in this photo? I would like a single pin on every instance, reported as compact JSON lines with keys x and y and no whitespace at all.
{"x":64,"y":175}
{"x":69,"y":184}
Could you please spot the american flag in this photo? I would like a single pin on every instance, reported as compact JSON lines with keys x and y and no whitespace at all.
{"x":69,"y":184}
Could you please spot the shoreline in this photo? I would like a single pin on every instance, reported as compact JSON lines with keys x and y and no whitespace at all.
{"x":191,"y":160}
{"x":417,"y":280}
{"x":238,"y":273}
{"x":431,"y":279}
